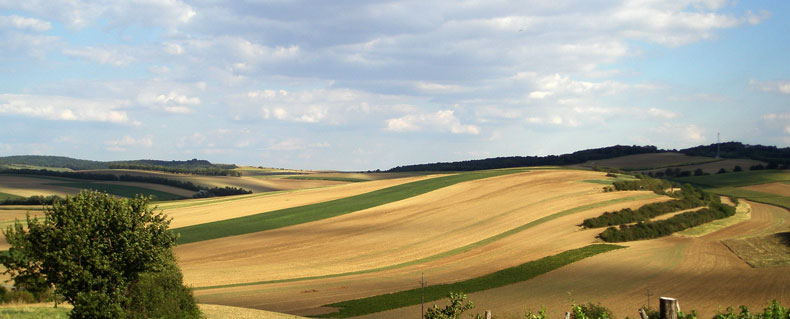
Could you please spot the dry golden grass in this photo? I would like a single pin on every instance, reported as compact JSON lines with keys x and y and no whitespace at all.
{"x":219,"y":209}
{"x":399,"y":232}
{"x":228,"y":312}
{"x":700,"y":272}
{"x":778,"y":188}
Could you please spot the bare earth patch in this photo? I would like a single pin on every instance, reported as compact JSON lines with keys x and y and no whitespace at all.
{"x":763,"y":251}
{"x":778,"y":188}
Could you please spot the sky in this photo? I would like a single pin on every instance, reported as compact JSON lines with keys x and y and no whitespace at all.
{"x":365,"y":85}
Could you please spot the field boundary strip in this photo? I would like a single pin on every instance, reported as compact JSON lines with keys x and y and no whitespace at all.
{"x":507,"y":276}
{"x":445,"y":254}
{"x":313,"y":212}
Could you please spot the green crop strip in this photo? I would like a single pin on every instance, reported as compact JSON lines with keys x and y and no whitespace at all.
{"x":523,"y":272}
{"x":738,"y":179}
{"x":448,"y":253}
{"x":314,"y":212}
{"x":755,"y":196}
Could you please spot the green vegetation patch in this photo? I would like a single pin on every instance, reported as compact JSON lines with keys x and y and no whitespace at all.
{"x":122,"y":190}
{"x":738,"y":179}
{"x":318,"y":211}
{"x":523,"y":272}
{"x":762,"y":251}
{"x":328,"y":178}
{"x":4,"y":196}
{"x":755,"y":196}
{"x":32,"y":312}
{"x":742,"y":213}
{"x":448,"y":253}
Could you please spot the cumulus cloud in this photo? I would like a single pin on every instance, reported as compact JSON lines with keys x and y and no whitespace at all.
{"x":64,"y":108}
{"x":442,"y":121}
{"x":23,"y":23}
{"x":121,"y":145}
{"x":688,"y":134}
{"x":296,"y":144}
{"x":80,"y":14}
{"x":171,"y":102}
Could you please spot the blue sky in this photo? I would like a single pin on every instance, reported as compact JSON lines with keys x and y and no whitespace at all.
{"x":355,"y":85}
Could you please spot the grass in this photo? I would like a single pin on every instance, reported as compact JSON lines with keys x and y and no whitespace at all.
{"x":328,"y":178}
{"x":33,"y":312}
{"x":122,"y":190}
{"x":4,"y":196}
{"x":523,"y":272}
{"x":314,"y":212}
{"x":742,"y":213}
{"x":738,"y":179}
{"x":762,"y":251}
{"x":755,"y":196}
{"x":445,"y":254}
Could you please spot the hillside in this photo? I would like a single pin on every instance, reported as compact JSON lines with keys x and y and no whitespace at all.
{"x":193,"y":166}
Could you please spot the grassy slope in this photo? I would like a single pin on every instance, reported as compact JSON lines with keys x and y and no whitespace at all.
{"x":328,"y":178}
{"x":523,"y":272}
{"x":122,"y":190}
{"x":308,"y":213}
{"x":738,"y":179}
{"x":33,"y":312}
{"x":449,"y":253}
{"x":4,"y":196}
{"x":755,"y":196}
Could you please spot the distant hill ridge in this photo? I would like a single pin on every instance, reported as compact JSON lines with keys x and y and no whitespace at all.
{"x":81,"y":164}
{"x":770,"y":154}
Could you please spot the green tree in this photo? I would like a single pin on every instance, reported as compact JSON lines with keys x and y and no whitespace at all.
{"x":92,"y":248}
{"x":457,"y":306}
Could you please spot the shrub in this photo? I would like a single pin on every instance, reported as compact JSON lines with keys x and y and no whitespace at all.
{"x":161,"y":294}
{"x":737,"y":168}
{"x":596,"y":311}
{"x":457,"y":306}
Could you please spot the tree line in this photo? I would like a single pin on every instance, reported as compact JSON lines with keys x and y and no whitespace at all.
{"x":205,"y":171}
{"x":577,"y":157}
{"x":687,"y":197}
{"x":217,"y":191}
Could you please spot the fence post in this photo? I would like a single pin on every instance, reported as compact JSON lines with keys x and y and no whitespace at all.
{"x":488,"y":314}
{"x":669,"y":308}
{"x":568,"y":315}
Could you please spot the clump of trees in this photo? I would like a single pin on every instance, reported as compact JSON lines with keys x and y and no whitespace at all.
{"x":108,"y":257}
{"x":205,"y":171}
{"x":655,"y":229}
{"x":221,"y":191}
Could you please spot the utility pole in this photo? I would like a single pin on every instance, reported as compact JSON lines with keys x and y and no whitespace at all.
{"x":648,"y":298}
{"x":422,"y":304}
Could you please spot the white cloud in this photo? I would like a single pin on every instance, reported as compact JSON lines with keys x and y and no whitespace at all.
{"x":442,"y":121}
{"x":80,"y":14}
{"x":688,"y":134}
{"x":115,"y":56}
{"x":172,"y":102}
{"x":771,"y":86}
{"x":121,"y":145}
{"x":23,"y":23}
{"x":429,"y":87}
{"x":656,"y":112}
{"x":297,"y":144}
{"x":65,"y":108}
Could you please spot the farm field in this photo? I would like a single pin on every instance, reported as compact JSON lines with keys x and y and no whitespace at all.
{"x":700,"y":272}
{"x":658,"y":162}
{"x":26,"y":186}
{"x":486,"y":225}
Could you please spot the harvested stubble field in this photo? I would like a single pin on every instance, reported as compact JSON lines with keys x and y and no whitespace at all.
{"x":700,"y":272}
{"x":454,"y":233}
{"x":649,"y":161}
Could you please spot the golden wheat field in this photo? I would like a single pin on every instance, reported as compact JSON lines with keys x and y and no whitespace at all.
{"x":403,"y":231}
{"x":700,"y":272}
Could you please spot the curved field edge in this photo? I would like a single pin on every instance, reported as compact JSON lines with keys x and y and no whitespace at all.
{"x":318,"y":211}
{"x":448,"y":253}
{"x":523,"y":272}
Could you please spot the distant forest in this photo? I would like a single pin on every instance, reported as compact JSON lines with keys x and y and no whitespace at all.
{"x":770,"y":154}
{"x":193,"y":166}
{"x":521,"y":161}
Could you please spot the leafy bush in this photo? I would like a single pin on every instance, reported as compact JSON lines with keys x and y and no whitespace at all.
{"x":455,"y":309}
{"x":161,"y":294}
{"x":668,"y":226}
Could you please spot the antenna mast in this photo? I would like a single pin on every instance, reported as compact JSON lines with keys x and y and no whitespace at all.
{"x":718,"y":141}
